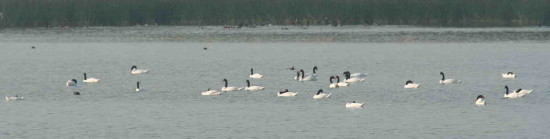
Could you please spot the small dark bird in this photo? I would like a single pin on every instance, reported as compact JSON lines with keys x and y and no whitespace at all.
{"x":291,"y":68}
{"x":205,"y":48}
{"x":33,"y":47}
{"x":76,"y":93}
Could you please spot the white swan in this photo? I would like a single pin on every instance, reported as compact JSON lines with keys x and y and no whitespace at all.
{"x":252,"y":88}
{"x":354,"y":105}
{"x":138,"y":88}
{"x":341,"y":84}
{"x":211,"y":92}
{"x":255,"y":75}
{"x":510,"y":95}
{"x":90,"y":80}
{"x":134,"y":70}
{"x":332,"y":85}
{"x":226,"y":88}
{"x":321,"y":95}
{"x":447,"y":81}
{"x":14,"y":98}
{"x":508,"y":75}
{"x":71,"y":82}
{"x":480,"y":101}
{"x":350,"y":79}
{"x":410,"y":84}
{"x":285,"y":93}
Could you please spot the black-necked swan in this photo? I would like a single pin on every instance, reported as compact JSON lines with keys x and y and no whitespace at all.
{"x":480,"y":101}
{"x":71,"y":82}
{"x":252,"y":88}
{"x":308,"y":77}
{"x":90,"y":80}
{"x":341,"y":84}
{"x":286,"y":93}
{"x":138,"y":88}
{"x":350,"y":79}
{"x":510,"y":95}
{"x":354,"y":104}
{"x":411,"y":84}
{"x":360,"y":75}
{"x":210,"y":92}
{"x":508,"y":75}
{"x":332,"y":85}
{"x":16,"y":97}
{"x":297,"y":77}
{"x":447,"y":81}
{"x":134,"y":70}
{"x":255,"y":75}
{"x":229,"y":88}
{"x":320,"y":94}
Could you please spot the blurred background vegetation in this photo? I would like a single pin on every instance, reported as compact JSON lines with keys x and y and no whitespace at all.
{"x":458,"y":13}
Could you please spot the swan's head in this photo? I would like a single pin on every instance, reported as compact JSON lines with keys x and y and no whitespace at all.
{"x":225,"y":80}
{"x":353,"y":102}
{"x":208,"y":89}
{"x":76,"y":93}
{"x":320,"y":91}
{"x":441,"y":73}
{"x":133,"y":67}
{"x":519,"y":90}
{"x":480,"y":96}
{"x":506,"y":86}
{"x":408,"y":82}
{"x":74,"y":80}
{"x":33,"y":47}
{"x":301,"y":70}
{"x":205,"y":48}
{"x":315,"y":68}
{"x":510,"y":73}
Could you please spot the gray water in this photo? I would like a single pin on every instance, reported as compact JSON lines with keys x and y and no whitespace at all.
{"x":172,"y":107}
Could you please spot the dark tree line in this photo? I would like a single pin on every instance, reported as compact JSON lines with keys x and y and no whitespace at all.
{"x":52,"y":13}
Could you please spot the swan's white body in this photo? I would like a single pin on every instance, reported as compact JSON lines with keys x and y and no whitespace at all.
{"x":449,"y":81}
{"x":523,"y":92}
{"x":287,"y":94}
{"x":358,"y":75}
{"x":321,"y":95}
{"x":480,"y":101}
{"x":506,"y":75}
{"x":343,"y":84}
{"x":511,"y":95}
{"x":91,"y":80}
{"x":138,"y":89}
{"x":412,"y":85}
{"x":13,"y":98}
{"x":139,"y":71}
{"x":256,"y":76}
{"x":70,"y":83}
{"x":309,"y":78}
{"x":211,"y":93}
{"x":254,"y":88}
{"x":333,"y":85}
{"x":354,"y":79}
{"x":354,"y":105}
{"x":230,"y":88}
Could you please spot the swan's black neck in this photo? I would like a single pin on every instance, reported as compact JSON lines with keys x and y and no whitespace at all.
{"x":225,"y":82}
{"x":517,"y":91}
{"x":442,"y":76}
{"x":85,"y":78}
{"x":284,"y":91}
{"x":506,"y":87}
{"x":510,"y":73}
{"x":331,"y":77}
{"x":247,"y":83}
{"x":133,"y":67}
{"x":480,"y":96}
{"x":251,"y":71}
{"x":337,"y":79}
{"x":320,"y":91}
{"x":302,"y":71}
{"x":208,"y":89}
{"x":314,"y":69}
{"x":408,"y":82}
{"x":138,"y":85}
{"x":297,"y":75}
{"x":348,"y":76}
{"x":74,"y":80}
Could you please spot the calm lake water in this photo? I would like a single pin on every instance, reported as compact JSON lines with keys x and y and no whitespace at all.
{"x":172,"y":107}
